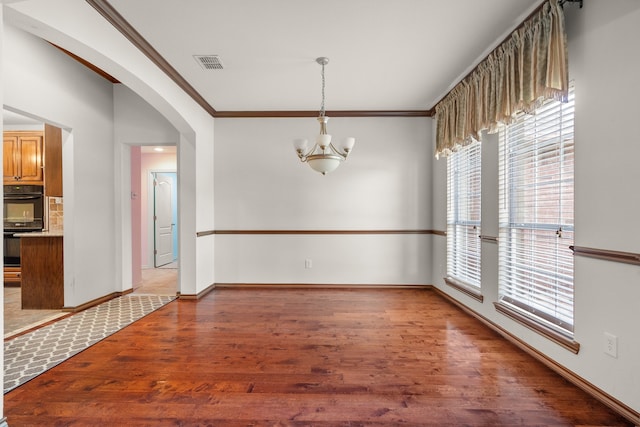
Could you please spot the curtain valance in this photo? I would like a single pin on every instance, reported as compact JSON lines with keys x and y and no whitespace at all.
{"x":526,"y":69}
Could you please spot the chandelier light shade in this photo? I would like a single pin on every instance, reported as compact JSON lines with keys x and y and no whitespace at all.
{"x":323,"y":156}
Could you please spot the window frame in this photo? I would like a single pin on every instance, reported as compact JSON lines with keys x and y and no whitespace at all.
{"x":527,"y":293}
{"x":464,"y":214}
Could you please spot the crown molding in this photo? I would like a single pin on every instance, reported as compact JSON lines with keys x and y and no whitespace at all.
{"x":105,"y":9}
{"x":312,"y":113}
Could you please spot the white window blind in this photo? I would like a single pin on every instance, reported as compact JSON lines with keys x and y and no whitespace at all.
{"x":536,"y":215}
{"x":463,"y":215}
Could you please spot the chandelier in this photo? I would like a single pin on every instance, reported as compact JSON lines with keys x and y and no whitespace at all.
{"x":323,"y":157}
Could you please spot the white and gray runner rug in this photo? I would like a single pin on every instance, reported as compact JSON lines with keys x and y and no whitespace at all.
{"x":31,"y":354}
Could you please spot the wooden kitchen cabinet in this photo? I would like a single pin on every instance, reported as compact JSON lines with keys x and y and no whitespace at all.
{"x":53,"y":161}
{"x":42,"y":260}
{"x":22,"y":161}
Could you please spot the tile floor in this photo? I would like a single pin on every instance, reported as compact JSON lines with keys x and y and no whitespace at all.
{"x":17,"y":320}
{"x":158,"y":281}
{"x":155,"y":281}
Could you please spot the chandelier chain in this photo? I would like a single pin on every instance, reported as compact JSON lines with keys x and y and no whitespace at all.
{"x":323,"y":84}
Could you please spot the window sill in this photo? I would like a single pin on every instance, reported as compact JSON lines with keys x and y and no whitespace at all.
{"x":466,"y":289}
{"x":549,"y":333}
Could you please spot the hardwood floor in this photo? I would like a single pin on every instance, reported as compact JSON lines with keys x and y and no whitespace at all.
{"x":323,"y":357}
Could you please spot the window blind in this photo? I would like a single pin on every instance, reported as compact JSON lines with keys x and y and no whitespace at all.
{"x":536,"y":215}
{"x":463,"y":215}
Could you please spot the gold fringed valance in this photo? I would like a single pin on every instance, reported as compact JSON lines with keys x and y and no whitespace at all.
{"x":526,"y":69}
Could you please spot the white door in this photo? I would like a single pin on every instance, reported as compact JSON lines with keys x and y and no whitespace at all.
{"x":163,"y":225}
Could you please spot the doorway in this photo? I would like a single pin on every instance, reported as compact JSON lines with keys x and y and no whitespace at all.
{"x":154,"y":184}
{"x":49,"y":210}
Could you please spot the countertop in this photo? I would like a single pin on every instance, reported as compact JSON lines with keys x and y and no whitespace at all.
{"x":39,"y":234}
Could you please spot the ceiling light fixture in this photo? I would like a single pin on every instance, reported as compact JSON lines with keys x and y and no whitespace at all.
{"x":323,"y":157}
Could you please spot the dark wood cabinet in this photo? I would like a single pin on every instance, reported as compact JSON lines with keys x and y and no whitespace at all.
{"x":52,"y":161}
{"x":42,"y":272}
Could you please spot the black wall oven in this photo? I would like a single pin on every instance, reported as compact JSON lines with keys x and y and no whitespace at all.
{"x":23,"y":212}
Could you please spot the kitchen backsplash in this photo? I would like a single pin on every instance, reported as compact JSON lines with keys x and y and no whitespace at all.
{"x":56,"y":213}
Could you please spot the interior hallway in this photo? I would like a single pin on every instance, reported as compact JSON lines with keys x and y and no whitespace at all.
{"x":155,"y":281}
{"x":159,"y":281}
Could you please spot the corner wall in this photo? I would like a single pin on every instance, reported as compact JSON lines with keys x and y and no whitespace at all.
{"x":136,"y":218}
{"x":605,"y":67}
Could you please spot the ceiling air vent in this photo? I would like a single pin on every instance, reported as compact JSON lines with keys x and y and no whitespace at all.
{"x":209,"y":62}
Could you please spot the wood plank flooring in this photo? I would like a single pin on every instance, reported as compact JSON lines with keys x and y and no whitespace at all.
{"x":294,"y":357}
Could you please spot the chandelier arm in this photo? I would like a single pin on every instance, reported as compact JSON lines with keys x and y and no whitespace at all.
{"x":337,"y":152}
{"x":303,"y":156}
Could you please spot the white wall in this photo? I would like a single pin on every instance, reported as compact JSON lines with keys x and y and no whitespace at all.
{"x":383,"y":185}
{"x":138,"y":123}
{"x":69,"y":95}
{"x":605,"y":66}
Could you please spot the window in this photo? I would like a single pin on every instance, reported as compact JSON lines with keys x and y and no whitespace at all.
{"x":463,"y":219}
{"x":536,"y":220}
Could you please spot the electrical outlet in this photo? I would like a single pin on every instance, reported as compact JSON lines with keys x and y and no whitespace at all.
{"x":611,"y":344}
{"x":308,"y":263}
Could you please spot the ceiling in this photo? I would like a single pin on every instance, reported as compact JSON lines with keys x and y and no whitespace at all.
{"x":158,"y":149}
{"x":384,"y":55}
{"x":17,"y":119}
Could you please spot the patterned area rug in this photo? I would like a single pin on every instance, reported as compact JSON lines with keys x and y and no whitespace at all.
{"x":29,"y":355}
